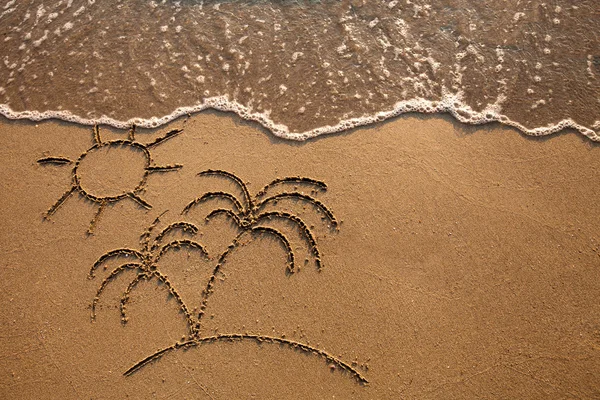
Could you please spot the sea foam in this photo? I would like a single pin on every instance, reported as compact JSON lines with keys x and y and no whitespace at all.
{"x":450,"y":104}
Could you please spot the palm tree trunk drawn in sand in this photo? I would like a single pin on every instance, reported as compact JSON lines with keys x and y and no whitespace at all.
{"x":249,"y":215}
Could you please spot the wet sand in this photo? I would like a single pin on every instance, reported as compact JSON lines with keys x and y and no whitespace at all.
{"x":465,"y":266}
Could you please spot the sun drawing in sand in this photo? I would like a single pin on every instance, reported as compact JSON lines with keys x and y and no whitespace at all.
{"x":249,"y":216}
{"x":100,"y":186}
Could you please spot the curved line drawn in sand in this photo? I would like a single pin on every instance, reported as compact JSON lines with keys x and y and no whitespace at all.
{"x":248,"y":217}
{"x":133,"y":193}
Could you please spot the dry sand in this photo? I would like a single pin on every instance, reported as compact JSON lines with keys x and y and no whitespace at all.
{"x":466,"y":266}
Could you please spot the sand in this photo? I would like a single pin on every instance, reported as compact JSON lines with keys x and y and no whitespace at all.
{"x":465,"y":266}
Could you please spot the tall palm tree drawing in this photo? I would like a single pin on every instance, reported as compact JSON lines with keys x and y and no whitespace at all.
{"x":249,"y":215}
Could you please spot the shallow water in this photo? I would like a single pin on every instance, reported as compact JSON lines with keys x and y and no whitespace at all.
{"x":303,"y":68}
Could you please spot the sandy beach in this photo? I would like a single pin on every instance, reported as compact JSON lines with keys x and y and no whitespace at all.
{"x":464,"y":265}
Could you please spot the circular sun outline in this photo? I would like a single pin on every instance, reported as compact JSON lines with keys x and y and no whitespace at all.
{"x":103,"y":201}
{"x":116,"y":144}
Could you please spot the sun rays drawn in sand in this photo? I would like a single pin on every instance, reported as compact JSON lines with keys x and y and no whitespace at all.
{"x":251,"y":220}
{"x":80,"y":185}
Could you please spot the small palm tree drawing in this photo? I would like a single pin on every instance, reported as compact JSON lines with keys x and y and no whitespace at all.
{"x":88,"y":188}
{"x":145,"y":263}
{"x":248,"y":215}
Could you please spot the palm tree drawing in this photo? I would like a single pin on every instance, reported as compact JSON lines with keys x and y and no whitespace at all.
{"x":145,"y":263}
{"x":251,"y":218}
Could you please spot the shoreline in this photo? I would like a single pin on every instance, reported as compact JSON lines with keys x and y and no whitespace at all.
{"x":450,"y":105}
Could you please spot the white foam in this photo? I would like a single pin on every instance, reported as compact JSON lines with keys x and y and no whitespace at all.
{"x":450,"y":103}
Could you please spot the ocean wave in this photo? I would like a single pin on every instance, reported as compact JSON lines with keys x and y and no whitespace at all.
{"x":303,"y":69}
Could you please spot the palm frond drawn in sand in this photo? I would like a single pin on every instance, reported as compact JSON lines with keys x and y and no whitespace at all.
{"x":135,"y":149}
{"x":248,"y":216}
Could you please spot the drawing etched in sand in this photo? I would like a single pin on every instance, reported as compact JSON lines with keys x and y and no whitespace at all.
{"x":97,"y":186}
{"x":249,"y":216}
